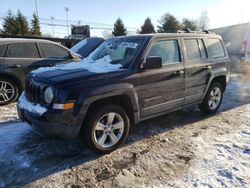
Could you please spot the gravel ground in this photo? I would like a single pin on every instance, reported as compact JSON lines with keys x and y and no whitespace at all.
{"x":181,"y":149}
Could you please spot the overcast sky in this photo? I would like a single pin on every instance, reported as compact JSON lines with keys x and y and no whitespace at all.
{"x":133,"y":12}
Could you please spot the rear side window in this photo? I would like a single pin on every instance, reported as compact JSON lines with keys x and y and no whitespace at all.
{"x":54,"y":51}
{"x":3,"y":49}
{"x":23,"y":50}
{"x":216,"y":47}
{"x":195,"y":49}
{"x":168,"y":50}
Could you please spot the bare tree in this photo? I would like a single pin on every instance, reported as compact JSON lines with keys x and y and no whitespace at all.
{"x":203,"y":21}
{"x":107,"y":34}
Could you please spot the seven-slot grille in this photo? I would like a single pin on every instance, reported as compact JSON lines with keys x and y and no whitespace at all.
{"x":33,"y":92}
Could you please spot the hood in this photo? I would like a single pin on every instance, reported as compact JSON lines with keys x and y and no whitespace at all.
{"x":82,"y":71}
{"x":61,"y":78}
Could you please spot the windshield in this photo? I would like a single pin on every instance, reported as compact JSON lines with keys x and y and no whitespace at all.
{"x":120,"y":51}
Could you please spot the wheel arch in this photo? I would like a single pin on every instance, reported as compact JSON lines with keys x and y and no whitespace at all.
{"x":123,"y":100}
{"x":221,"y":79}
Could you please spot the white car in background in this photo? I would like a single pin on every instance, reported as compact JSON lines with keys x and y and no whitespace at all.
{"x":245,"y":49}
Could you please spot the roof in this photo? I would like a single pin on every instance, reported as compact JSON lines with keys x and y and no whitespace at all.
{"x":173,"y":34}
{"x":13,"y":40}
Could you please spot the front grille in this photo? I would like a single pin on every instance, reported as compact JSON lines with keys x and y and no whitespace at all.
{"x":33,"y":92}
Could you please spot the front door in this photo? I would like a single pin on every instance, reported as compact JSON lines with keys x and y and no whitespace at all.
{"x":162,"y":89}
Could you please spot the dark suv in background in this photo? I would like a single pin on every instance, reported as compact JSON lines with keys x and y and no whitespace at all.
{"x":20,"y":56}
{"x":124,"y":81}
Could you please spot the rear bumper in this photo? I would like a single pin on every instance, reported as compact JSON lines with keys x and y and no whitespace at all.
{"x":51,"y":124}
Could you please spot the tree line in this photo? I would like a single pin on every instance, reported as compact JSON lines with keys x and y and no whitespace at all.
{"x":167,"y":23}
{"x":17,"y":24}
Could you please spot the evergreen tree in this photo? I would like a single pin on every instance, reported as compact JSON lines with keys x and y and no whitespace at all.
{"x":35,"y":26}
{"x":22,"y":24}
{"x":9,"y":24}
{"x":119,"y":28}
{"x":147,"y":27}
{"x":168,"y":23}
{"x":189,"y":24}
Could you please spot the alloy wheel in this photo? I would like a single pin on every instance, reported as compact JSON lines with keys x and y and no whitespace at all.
{"x":108,"y":130}
{"x":7,"y":91}
{"x":215,"y":98}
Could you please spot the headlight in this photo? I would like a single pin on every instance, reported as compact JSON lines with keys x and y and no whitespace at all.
{"x":48,"y":95}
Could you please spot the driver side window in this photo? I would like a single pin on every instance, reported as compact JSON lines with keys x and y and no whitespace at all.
{"x":168,"y":50}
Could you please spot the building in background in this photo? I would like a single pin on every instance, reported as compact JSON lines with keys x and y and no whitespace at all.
{"x":80,"y":31}
{"x":235,"y":35}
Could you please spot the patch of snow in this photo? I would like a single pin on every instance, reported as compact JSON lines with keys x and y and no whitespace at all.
{"x":223,"y":165}
{"x":79,"y":45}
{"x":23,"y":103}
{"x":102,"y":65}
{"x":8,"y":113}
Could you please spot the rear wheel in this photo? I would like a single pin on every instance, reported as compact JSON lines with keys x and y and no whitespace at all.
{"x":107,"y":129}
{"x":212,"y":100}
{"x":8,"y":91}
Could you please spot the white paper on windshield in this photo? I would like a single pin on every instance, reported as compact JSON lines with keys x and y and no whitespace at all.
{"x":129,"y":45}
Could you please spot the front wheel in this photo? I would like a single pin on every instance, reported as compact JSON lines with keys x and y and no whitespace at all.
{"x":107,"y":129}
{"x":212,"y":100}
{"x":8,"y":91}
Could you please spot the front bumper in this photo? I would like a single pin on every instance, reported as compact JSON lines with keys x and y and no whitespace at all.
{"x":60,"y":124}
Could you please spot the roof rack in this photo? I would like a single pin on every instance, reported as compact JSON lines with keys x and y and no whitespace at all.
{"x":197,"y":32}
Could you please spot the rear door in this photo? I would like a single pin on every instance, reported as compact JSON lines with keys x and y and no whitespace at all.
{"x":162,"y":89}
{"x":19,"y":57}
{"x":197,"y":67}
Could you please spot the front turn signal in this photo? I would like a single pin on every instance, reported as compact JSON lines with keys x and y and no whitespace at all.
{"x":63,"y":106}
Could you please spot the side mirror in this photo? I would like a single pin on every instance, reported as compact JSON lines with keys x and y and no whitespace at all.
{"x":153,"y":62}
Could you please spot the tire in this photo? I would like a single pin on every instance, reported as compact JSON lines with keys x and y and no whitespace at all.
{"x":8,"y":91}
{"x":100,"y":130}
{"x":213,"y":99}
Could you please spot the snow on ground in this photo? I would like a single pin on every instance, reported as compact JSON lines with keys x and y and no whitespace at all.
{"x":181,"y":149}
{"x":8,"y":113}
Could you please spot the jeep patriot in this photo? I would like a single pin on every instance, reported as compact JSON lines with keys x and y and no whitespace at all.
{"x":124,"y":81}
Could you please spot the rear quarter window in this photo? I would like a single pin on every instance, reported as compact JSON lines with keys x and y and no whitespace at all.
{"x":216,"y":48}
{"x":3,"y":48}
{"x":53,"y":51}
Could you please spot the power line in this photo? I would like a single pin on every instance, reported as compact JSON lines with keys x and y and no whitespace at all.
{"x":64,"y":25}
{"x":75,"y":22}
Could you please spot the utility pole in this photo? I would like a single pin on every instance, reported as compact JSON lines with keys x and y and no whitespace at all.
{"x":36,"y":8}
{"x":66,"y":10}
{"x":52,"y":20}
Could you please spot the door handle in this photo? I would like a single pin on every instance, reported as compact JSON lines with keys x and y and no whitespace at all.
{"x":15,"y":66}
{"x":208,"y":67}
{"x":179,"y":72}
